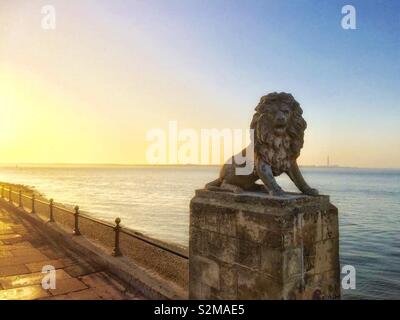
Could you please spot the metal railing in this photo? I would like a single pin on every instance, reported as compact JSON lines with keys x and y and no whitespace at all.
{"x":37,"y":206}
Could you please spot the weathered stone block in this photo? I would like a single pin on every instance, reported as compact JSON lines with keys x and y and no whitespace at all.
{"x":228,"y":282}
{"x":292,"y":263}
{"x":253,"y":285}
{"x":325,"y":256}
{"x":248,"y":254}
{"x":330,"y":228}
{"x":196,"y":241}
{"x":219,"y":247}
{"x":323,"y":285}
{"x":255,"y":246}
{"x":271,"y":263}
{"x":227,"y":223}
{"x":253,"y":226}
{"x":207,"y":272}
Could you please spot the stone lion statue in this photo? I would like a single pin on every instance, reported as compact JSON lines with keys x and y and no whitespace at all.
{"x":279,"y":128}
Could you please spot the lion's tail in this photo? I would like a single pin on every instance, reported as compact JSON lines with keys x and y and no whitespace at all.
{"x":213,"y":184}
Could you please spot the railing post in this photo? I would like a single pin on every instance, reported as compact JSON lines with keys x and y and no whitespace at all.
{"x":51,"y":217}
{"x":117,"y":228}
{"x":10,"y":194}
{"x":20,"y":199}
{"x":33,"y":203}
{"x":76,"y":229}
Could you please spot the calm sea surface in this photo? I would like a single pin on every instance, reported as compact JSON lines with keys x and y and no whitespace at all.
{"x":155,"y":201}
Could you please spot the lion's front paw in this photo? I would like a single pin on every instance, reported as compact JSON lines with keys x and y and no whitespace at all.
{"x":311,"y":192}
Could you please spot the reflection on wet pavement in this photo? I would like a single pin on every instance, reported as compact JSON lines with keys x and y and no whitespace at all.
{"x":23,"y":253}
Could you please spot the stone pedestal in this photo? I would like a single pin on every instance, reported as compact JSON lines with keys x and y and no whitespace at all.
{"x":255,"y":246}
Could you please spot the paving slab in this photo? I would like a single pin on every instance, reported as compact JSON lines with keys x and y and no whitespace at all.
{"x":38,"y":266}
{"x":24,"y":293}
{"x":67,"y":285}
{"x":13,"y":270}
{"x":23,"y":280}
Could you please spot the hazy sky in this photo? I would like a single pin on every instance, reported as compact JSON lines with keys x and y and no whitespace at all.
{"x":88,"y":91}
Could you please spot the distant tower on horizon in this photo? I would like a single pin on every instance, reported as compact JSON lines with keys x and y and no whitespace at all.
{"x":327,"y":162}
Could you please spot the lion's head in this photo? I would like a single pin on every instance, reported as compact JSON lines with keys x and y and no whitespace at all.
{"x":278,"y":130}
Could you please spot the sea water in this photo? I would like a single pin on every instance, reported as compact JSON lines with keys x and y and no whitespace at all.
{"x":155,"y":201}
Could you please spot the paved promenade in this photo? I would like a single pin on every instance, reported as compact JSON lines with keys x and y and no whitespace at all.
{"x":24,"y":250}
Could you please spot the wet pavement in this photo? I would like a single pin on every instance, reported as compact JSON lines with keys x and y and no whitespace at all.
{"x":25,"y":250}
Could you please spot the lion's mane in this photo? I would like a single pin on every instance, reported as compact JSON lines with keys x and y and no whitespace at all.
{"x":279,"y":151}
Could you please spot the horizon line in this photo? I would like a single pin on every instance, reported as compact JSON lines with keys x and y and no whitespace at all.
{"x":83,"y":164}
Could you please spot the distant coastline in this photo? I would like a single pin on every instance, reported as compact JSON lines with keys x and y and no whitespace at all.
{"x":122,"y":165}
